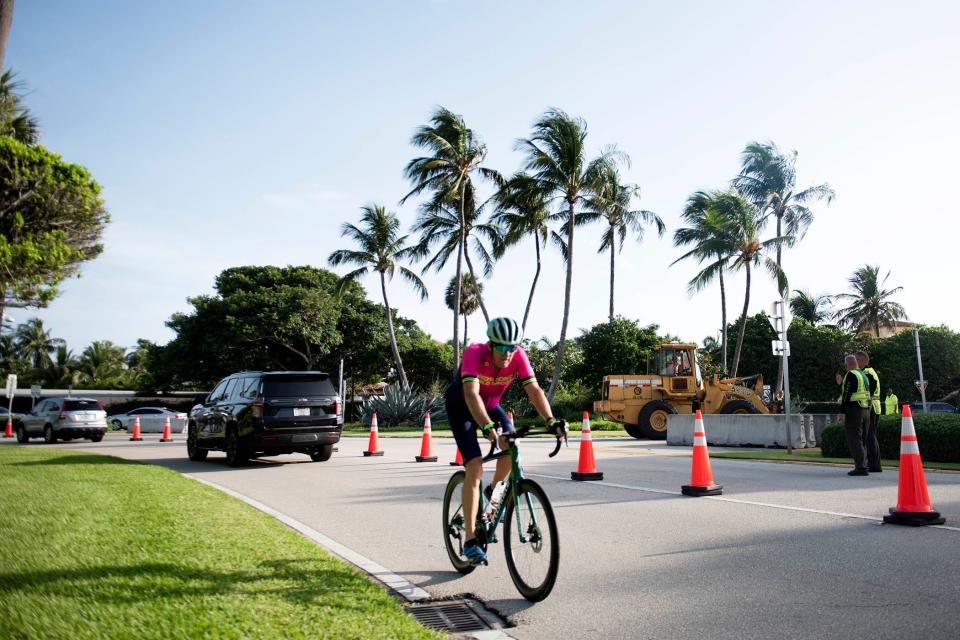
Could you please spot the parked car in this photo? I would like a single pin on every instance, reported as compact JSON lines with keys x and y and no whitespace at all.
{"x":256,"y":413}
{"x":933,"y":407}
{"x":64,"y":419}
{"x":5,"y":413}
{"x":152,"y":420}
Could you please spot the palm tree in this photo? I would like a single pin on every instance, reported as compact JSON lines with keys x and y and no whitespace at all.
{"x":380,"y":250}
{"x":64,"y":370}
{"x":813,"y":309}
{"x":35,"y":342}
{"x":705,"y":234}
{"x":439,"y":224}
{"x":557,"y":160}
{"x":522,"y":209}
{"x":16,"y":120}
{"x":739,"y":246}
{"x":101,"y":364}
{"x":457,"y":155}
{"x":870,"y":304}
{"x":470,"y":294}
{"x":768,"y":178}
{"x":611,"y":203}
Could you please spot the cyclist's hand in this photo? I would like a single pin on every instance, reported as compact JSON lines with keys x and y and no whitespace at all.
{"x":559,"y":427}
{"x":491,"y":431}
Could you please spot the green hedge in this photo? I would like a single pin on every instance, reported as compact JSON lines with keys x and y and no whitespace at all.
{"x":937,"y":435}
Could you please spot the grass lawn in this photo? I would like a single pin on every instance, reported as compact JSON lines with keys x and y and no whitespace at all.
{"x":99,"y":547}
{"x":815,"y":456}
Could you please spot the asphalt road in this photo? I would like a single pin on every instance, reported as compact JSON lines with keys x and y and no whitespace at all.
{"x":788,"y":551}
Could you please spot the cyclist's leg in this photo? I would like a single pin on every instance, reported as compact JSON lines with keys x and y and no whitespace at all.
{"x":465,"y":434}
{"x":503,"y":464}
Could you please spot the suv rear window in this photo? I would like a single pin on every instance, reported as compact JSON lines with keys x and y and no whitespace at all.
{"x":82,"y":405}
{"x":302,"y":386}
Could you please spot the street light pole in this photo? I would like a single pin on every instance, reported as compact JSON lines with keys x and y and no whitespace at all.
{"x":923,"y":383}
{"x":786,"y":372}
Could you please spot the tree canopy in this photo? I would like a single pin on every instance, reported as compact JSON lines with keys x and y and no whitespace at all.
{"x":51,"y":220}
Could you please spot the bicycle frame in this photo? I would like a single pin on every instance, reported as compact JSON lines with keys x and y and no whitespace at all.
{"x":516,"y":475}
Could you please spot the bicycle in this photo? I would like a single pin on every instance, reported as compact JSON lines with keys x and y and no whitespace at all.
{"x":531,"y":541}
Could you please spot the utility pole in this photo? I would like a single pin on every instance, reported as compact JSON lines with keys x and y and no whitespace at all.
{"x":921,"y":383}
{"x":780,"y":324}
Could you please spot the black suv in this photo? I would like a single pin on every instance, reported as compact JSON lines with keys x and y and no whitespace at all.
{"x":256,"y":413}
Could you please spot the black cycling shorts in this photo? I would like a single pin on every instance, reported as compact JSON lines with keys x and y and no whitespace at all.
{"x":465,"y":430}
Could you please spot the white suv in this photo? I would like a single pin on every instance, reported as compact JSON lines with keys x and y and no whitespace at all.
{"x":64,"y":419}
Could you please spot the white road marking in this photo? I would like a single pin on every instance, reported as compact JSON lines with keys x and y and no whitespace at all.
{"x":738,"y":501}
{"x":404,"y":588}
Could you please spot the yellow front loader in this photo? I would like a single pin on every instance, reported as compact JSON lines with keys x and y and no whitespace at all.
{"x":673,"y":384}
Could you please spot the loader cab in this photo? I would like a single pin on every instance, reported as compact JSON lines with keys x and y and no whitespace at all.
{"x":678,"y":365}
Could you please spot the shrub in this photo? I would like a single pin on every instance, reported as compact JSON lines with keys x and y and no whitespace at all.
{"x":400,"y":406}
{"x":937,"y":435}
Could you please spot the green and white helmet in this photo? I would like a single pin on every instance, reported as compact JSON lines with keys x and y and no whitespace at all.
{"x":504,"y":331}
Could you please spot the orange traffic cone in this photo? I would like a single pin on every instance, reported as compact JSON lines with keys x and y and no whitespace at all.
{"x":701,"y":477}
{"x":425,"y":455}
{"x":373,"y":447}
{"x":913,"y":501}
{"x":136,"y":430}
{"x":587,"y":469}
{"x":166,"y":432}
{"x":9,"y":432}
{"x":458,"y":461}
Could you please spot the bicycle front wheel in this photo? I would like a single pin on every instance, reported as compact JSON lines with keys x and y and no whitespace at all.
{"x":454,"y":532}
{"x":533,"y":547}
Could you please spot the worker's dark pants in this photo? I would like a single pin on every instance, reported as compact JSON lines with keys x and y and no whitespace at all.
{"x":856,"y":423}
{"x":872,"y":443}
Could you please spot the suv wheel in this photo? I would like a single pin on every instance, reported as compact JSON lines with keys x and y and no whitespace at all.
{"x":48,"y":435}
{"x":194,"y":452}
{"x":22,"y":436}
{"x":323,"y":453}
{"x":96,"y":438}
{"x":236,"y":454}
{"x":117,"y":425}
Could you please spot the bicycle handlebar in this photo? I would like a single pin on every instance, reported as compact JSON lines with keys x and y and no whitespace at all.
{"x":527,"y":431}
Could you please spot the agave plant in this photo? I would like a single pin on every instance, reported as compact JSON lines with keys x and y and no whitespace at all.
{"x":400,"y":406}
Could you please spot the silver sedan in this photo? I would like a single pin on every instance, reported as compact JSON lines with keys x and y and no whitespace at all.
{"x":152,"y":420}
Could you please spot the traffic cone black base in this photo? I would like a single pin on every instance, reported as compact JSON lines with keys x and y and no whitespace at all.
{"x":425,"y":458}
{"x":166,"y":439}
{"x":456,"y":464}
{"x":913,"y":518}
{"x":697,"y":492}
{"x":367,"y":454}
{"x":575,"y":475}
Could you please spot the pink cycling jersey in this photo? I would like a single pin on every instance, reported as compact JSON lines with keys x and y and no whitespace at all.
{"x":478,"y":365}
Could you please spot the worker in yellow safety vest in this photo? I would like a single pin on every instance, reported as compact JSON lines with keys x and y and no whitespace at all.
{"x":871,"y":439}
{"x":891,"y":405}
{"x":855,"y":404}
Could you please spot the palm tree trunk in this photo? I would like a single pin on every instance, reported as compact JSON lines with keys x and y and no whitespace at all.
{"x":536,"y":275}
{"x":393,"y":336}
{"x":456,"y":305}
{"x":723,"y":319}
{"x":779,"y":387}
{"x":612,"y":258}
{"x":483,"y":308}
{"x":561,"y":347}
{"x":465,"y":340}
{"x":743,"y":324}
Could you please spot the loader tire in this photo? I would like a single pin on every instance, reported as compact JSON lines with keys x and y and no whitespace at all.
{"x":653,"y":419}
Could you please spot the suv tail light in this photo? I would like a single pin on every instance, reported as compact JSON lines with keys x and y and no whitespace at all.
{"x":256,"y":408}
{"x":63,"y":415}
{"x":337,"y":410}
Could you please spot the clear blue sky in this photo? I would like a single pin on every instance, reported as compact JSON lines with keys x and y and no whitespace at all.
{"x":232,"y":133}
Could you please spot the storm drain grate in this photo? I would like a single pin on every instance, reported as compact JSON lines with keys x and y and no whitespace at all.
{"x":453,"y":617}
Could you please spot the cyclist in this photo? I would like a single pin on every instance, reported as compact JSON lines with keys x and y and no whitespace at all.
{"x":473,"y":400}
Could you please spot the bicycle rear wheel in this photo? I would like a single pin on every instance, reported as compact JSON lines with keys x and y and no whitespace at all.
{"x":533,"y":548}
{"x":454,"y":533}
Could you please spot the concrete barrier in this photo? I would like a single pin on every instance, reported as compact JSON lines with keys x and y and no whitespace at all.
{"x":820,"y":421}
{"x":744,"y":430}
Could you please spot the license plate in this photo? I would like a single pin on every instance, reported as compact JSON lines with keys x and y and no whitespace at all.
{"x":301,"y":411}
{"x":305,"y":437}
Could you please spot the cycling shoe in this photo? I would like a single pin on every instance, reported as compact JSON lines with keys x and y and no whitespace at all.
{"x":474,"y":553}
